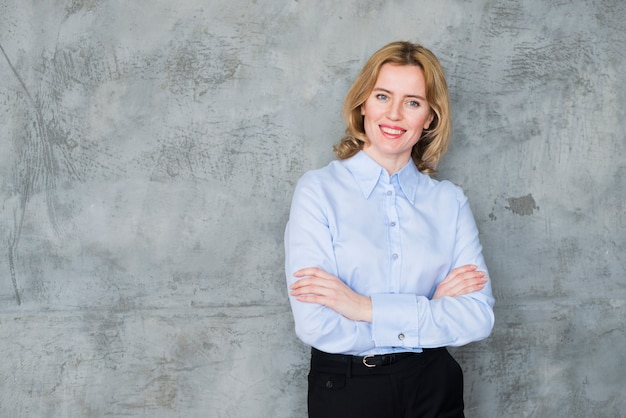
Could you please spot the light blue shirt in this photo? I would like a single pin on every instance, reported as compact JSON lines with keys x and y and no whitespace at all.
{"x":393,"y":238}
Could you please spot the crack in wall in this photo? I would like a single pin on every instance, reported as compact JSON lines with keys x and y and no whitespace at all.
{"x":14,"y":240}
{"x":41,"y":165}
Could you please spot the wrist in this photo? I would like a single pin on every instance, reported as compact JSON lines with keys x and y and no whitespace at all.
{"x":367,"y":309}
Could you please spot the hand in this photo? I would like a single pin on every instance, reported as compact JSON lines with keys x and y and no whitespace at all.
{"x":318,"y":286}
{"x":461,"y":281}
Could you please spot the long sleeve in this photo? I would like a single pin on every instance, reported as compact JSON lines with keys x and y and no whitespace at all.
{"x":392,"y":239}
{"x":417,"y":321}
{"x":308,"y":243}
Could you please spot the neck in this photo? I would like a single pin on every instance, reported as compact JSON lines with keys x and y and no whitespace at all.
{"x":391,"y":164}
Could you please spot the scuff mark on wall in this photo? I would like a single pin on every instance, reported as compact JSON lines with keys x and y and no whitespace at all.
{"x":522,"y":206}
{"x":196,"y":65}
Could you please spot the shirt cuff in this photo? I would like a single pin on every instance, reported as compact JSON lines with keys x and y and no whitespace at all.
{"x":394,"y":320}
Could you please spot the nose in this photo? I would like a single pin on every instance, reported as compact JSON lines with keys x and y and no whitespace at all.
{"x":395,"y":110}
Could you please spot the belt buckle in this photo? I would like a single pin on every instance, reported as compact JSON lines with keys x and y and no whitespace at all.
{"x":365,"y":363}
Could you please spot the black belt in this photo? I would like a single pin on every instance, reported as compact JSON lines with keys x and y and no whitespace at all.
{"x":367,"y":361}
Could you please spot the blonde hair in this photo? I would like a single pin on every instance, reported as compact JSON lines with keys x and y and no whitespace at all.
{"x":434,"y":141}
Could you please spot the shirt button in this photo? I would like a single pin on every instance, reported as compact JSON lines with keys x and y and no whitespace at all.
{"x":389,"y":193}
{"x":329,"y":384}
{"x":401,"y":336}
{"x":394,"y":256}
{"x":393,"y":224}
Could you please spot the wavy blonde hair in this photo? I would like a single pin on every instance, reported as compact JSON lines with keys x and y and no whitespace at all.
{"x":434,"y":141}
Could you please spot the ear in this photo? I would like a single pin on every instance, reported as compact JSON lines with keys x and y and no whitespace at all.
{"x":363,"y":109}
{"x":429,"y":120}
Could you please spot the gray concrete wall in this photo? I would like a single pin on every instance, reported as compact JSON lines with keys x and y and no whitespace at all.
{"x":149,"y":150}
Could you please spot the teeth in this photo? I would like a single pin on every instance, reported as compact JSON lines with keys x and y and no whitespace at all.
{"x":392,"y":131}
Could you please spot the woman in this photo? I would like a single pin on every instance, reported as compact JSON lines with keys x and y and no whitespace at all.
{"x":383,"y":263}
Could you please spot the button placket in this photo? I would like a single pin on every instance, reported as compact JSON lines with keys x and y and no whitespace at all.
{"x":393,"y":232}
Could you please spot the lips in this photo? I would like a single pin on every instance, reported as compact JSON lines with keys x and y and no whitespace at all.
{"x":392,"y":131}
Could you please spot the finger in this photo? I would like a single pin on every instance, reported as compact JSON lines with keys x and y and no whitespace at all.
{"x":470,"y":289}
{"x":309,"y":290}
{"x":462,"y":269}
{"x":319,"y":287}
{"x":315,"y":294}
{"x":464,"y":280}
{"x":323,"y":278}
{"x":314,"y":284}
{"x":310,"y":299}
{"x":467,"y":282}
{"x":459,"y":276}
{"x":310,"y":271}
{"x":310,"y":281}
{"x":467,"y":286}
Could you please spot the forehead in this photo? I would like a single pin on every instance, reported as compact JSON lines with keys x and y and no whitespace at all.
{"x":401,"y":78}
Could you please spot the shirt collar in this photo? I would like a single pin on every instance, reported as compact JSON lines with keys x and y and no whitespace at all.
{"x":368,"y":173}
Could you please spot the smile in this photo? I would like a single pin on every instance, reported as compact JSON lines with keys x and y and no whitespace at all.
{"x":392,"y":131}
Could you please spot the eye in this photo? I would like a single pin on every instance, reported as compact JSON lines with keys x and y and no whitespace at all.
{"x":381,"y":96}
{"x":413,"y":103}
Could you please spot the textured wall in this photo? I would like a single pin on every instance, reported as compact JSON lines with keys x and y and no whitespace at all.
{"x":149,"y":153}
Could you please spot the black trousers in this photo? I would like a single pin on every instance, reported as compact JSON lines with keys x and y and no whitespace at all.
{"x":424,"y":385}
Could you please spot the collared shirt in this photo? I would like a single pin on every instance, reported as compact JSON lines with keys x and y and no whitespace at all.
{"x":392,"y":238}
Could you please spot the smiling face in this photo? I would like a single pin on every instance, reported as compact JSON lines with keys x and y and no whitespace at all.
{"x":395,"y":113}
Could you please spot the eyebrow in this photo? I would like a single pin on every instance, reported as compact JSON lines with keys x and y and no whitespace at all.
{"x":415,"y":96}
